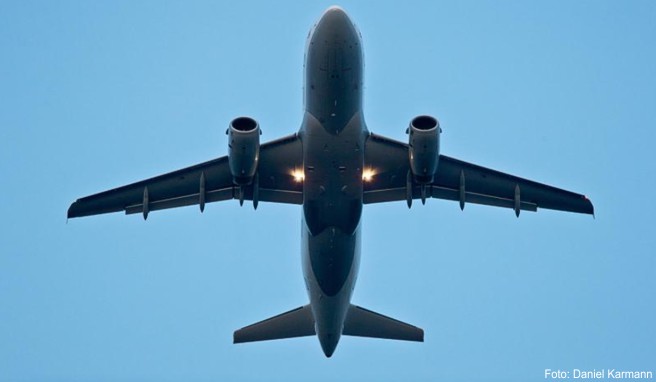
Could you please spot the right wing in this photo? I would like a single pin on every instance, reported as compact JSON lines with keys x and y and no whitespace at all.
{"x":184,"y":187}
{"x":459,"y":181}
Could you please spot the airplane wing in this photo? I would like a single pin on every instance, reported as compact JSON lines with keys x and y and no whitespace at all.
{"x":205,"y":183}
{"x":459,"y":181}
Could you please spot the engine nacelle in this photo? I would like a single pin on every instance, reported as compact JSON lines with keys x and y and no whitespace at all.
{"x":243,"y":149}
{"x":424,"y":151}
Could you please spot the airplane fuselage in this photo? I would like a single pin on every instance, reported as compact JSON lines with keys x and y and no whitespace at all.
{"x":333,"y":135}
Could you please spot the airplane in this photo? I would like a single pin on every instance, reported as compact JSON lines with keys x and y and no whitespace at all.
{"x":332,"y":167}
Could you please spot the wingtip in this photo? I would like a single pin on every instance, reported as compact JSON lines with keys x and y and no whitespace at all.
{"x":70,"y":213}
{"x":591,"y":206}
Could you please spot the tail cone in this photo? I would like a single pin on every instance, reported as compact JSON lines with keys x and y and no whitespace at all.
{"x":329,"y":343}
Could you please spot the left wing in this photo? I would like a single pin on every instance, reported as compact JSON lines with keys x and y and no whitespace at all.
{"x":459,"y":181}
{"x":205,"y":183}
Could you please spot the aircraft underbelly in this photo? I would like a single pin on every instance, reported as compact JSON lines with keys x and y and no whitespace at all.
{"x":332,"y":208}
{"x":332,"y":190}
{"x":332,"y":205}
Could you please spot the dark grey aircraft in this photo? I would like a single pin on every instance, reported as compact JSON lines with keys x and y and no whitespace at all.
{"x":332,"y":166}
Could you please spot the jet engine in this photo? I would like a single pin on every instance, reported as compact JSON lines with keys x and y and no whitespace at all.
{"x":424,"y":139}
{"x":243,"y":149}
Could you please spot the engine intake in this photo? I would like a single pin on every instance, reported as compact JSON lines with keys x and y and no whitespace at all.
{"x":243,"y":149}
{"x":424,"y":152}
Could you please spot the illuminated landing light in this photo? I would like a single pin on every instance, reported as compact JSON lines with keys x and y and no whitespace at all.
{"x":298,"y":175}
{"x":368,"y":174}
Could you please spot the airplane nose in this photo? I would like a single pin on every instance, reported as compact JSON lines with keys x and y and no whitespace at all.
{"x":334,"y":19}
{"x":335,"y":10}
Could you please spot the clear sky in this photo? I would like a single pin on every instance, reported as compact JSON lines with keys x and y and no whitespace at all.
{"x":97,"y":94}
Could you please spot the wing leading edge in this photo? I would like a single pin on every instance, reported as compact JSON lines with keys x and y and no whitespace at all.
{"x":459,"y":181}
{"x":206,"y":182}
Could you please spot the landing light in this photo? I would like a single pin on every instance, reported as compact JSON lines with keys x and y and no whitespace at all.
{"x":298,"y":175}
{"x":368,"y":174}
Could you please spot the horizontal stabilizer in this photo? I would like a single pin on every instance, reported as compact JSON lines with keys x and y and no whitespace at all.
{"x":298,"y":322}
{"x":365,"y":323}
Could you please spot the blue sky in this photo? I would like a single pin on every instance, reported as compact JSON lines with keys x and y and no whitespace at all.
{"x":100,"y":94}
